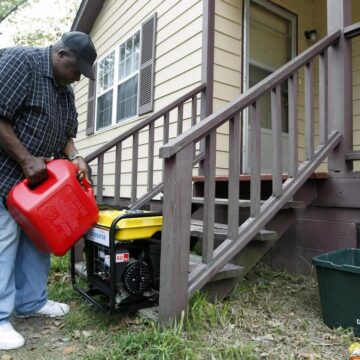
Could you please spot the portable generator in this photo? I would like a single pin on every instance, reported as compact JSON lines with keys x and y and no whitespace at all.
{"x":122,"y":258}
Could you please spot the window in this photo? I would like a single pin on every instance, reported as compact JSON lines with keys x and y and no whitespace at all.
{"x":105,"y":92}
{"x":124,"y":85}
{"x":128,"y":75}
{"x":117,"y":84}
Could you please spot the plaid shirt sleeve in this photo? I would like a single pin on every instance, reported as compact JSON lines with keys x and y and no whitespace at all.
{"x":14,"y":79}
{"x":73,"y":128}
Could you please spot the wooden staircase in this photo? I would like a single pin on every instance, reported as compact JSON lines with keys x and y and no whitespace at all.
{"x":264,"y":212}
{"x":230,"y":247}
{"x":218,"y":288}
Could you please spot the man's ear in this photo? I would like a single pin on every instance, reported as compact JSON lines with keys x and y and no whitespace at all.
{"x":61,"y":53}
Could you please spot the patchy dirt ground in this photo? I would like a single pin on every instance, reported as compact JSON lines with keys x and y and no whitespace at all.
{"x":271,"y":316}
{"x":45,"y":339}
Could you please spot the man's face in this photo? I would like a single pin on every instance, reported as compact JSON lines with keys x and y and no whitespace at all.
{"x":65,"y":68}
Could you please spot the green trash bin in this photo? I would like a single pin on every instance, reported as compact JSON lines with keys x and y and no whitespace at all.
{"x":338,"y":275}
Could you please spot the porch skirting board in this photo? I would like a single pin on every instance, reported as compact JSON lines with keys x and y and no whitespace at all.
{"x":317,"y":230}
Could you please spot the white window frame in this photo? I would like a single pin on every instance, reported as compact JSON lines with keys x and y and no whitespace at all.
{"x":115,"y":85}
{"x":135,"y":73}
{"x":98,"y":95}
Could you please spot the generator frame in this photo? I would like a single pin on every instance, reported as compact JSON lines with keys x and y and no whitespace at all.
{"x":98,"y":286}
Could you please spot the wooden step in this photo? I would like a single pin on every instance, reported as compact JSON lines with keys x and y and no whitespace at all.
{"x":221,"y":231}
{"x":229,"y":271}
{"x":265,"y":177}
{"x":245,"y":203}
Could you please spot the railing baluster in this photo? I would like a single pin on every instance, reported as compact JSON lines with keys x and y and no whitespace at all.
{"x":293,"y":124}
{"x":193,"y":110}
{"x":100,"y":179}
{"x":276,"y":139}
{"x":255,"y":146}
{"x":323,"y":104}
{"x":309,"y":110}
{"x":118,"y":154}
{"x":150,"y":181}
{"x":166,"y":128}
{"x":209,"y":197}
{"x":180,"y":118}
{"x":234,"y":172}
{"x":134,"y":171}
{"x":193,"y":115}
{"x":165,"y":134}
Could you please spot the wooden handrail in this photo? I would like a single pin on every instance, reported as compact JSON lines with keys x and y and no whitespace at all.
{"x":215,"y":120}
{"x":352,"y":30}
{"x":142,"y":124}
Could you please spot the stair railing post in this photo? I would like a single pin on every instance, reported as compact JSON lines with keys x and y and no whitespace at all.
{"x":340,"y":84}
{"x":175,"y":240}
{"x":207,"y":65}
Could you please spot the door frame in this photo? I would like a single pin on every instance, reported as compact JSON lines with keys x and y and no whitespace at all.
{"x":246,"y":61}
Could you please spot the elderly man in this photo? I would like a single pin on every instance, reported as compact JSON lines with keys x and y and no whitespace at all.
{"x":38,"y":120}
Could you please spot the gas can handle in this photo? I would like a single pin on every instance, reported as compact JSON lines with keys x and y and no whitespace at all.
{"x":87,"y":186}
{"x":38,"y":186}
{"x":85,"y":182}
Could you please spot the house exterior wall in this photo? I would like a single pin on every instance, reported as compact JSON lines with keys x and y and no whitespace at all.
{"x":228,"y":39}
{"x":177,"y":71}
{"x":228,"y":69}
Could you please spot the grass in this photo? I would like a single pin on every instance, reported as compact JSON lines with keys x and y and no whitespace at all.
{"x":271,"y":315}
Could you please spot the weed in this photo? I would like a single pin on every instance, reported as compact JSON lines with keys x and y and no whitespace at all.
{"x":59,"y":263}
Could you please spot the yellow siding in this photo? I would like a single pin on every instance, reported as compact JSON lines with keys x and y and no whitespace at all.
{"x":228,"y":51}
{"x":227,"y":74}
{"x":228,"y":54}
{"x":177,"y":70}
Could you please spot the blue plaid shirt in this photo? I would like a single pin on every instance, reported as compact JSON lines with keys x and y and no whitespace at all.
{"x":42,"y":115}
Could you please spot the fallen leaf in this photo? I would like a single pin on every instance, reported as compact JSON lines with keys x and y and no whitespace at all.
{"x":65,"y":339}
{"x":69,"y":350}
{"x":266,"y":339}
{"x":6,"y":357}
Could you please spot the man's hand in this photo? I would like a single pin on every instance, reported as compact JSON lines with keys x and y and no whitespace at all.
{"x":83,"y":168}
{"x":34,"y":169}
{"x":79,"y":161}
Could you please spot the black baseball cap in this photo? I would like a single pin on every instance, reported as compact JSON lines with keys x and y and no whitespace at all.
{"x":83,"y":48}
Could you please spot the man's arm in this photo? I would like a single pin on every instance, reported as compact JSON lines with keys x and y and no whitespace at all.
{"x":70,"y":151}
{"x":33,"y":168}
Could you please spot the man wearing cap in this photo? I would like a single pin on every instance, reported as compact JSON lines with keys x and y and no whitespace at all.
{"x":38,"y":121}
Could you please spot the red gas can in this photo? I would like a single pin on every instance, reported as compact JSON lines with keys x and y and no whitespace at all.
{"x":56,"y":213}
